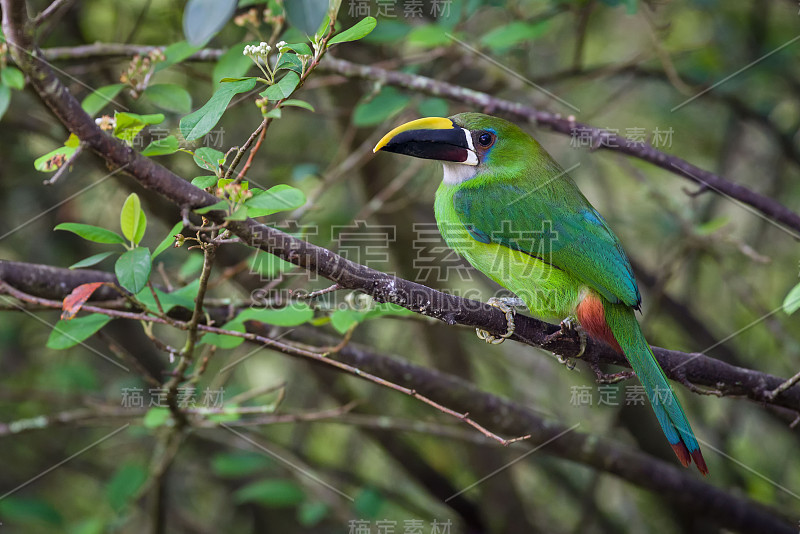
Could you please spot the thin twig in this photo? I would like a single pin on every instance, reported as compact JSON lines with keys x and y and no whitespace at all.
{"x":252,"y":155}
{"x":321,"y":48}
{"x":783,"y":387}
{"x":49,"y":11}
{"x":319,"y":292}
{"x":269,"y":343}
{"x":65,"y":166}
{"x":244,"y":148}
{"x":564,"y":125}
{"x":187,"y":354}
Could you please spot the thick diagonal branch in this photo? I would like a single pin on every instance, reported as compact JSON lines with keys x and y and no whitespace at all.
{"x":602,"y":138}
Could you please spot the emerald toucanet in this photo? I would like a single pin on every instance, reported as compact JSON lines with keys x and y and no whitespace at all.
{"x":508,"y":208}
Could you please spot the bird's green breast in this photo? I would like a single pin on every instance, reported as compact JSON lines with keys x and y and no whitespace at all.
{"x":550,"y":293}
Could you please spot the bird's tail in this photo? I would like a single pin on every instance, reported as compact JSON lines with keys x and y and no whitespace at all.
{"x":626,"y":336}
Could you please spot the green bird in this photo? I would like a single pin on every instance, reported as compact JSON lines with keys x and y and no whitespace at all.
{"x":510,"y":210}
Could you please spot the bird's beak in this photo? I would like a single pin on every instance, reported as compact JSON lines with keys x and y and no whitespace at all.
{"x":431,"y":138}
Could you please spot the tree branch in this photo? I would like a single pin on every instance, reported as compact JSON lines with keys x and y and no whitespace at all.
{"x":690,"y":369}
{"x":603,"y":138}
{"x":435,"y":388}
{"x":668,"y":481}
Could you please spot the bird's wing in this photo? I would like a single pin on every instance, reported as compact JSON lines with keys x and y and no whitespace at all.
{"x":567,"y":233}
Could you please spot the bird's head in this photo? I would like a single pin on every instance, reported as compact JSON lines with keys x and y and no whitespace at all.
{"x":467,"y":144}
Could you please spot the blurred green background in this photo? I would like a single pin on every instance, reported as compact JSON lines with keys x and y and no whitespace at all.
{"x":707,"y":266}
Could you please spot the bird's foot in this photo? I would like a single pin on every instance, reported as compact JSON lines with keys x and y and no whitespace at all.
{"x":505,"y":305}
{"x":613,"y":378}
{"x":569,"y":363}
{"x":571,"y":324}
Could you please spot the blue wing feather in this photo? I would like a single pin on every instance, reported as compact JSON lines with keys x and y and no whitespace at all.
{"x":567,"y":233}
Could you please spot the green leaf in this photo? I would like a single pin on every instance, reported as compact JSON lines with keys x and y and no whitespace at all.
{"x":222,"y":205}
{"x":239,"y":464}
{"x":272,"y":493}
{"x":91,"y":260}
{"x":202,"y":19}
{"x":92,"y":233}
{"x":204,"y":181}
{"x":386,"y":104}
{"x":208,"y":158}
{"x":13,"y":77}
{"x":72,"y":141}
{"x":91,"y":525}
{"x":306,"y":15}
{"x":233,"y":64}
{"x":46,"y":163}
{"x":132,"y":219}
{"x":167,"y":241}
{"x":294,"y":314}
{"x":508,"y":35}
{"x":175,"y":53}
{"x":125,"y":485}
{"x":310,"y":513}
{"x":225,"y":341}
{"x":323,"y":26}
{"x":98,"y":99}
{"x":428,"y":36}
{"x":281,"y":197}
{"x":360,"y":30}
{"x":369,"y":503}
{"x":268,"y":265}
{"x":128,"y":125}
{"x":274,"y":113}
{"x":283,"y":88}
{"x":298,"y":104}
{"x":133,"y":269}
{"x":162,"y":147}
{"x":20,"y":511}
{"x":170,"y":97}
{"x":388,"y":31}
{"x":301,"y":48}
{"x":191,"y":266}
{"x":289,"y":61}
{"x":239,"y":215}
{"x":5,"y":99}
{"x":709,"y":227}
{"x":343,"y":320}
{"x":792,"y":301}
{"x":433,"y":107}
{"x":199,"y":123}
{"x":156,"y":417}
{"x":183,"y":297}
{"x":67,"y":334}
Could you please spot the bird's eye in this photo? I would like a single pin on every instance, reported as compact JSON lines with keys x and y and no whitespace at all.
{"x":485,"y":139}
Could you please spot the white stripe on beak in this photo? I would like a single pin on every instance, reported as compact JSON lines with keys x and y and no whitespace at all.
{"x":472,"y":157}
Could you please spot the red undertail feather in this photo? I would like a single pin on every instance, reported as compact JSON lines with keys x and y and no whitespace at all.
{"x":682,"y":453}
{"x":592,"y":317}
{"x":700,"y":462}
{"x":686,"y":457}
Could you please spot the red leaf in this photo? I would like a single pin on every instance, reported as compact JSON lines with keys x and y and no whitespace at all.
{"x":73,"y":302}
